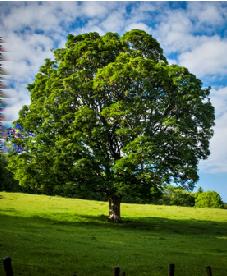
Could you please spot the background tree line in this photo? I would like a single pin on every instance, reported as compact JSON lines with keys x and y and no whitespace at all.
{"x":181,"y":197}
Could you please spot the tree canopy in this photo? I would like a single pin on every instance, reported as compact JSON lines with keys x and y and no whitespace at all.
{"x":110,"y":117}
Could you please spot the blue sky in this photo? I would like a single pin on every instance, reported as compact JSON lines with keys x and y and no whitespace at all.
{"x":192,"y":34}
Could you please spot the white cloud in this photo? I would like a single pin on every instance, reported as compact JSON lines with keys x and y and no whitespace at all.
{"x":140,"y":26}
{"x":217,"y":162}
{"x":146,"y":11}
{"x":174,"y":31}
{"x":212,"y":13}
{"x":219,"y":101}
{"x":15,"y":99}
{"x":114,"y":22}
{"x":207,"y":58}
{"x":97,"y":9}
{"x":26,"y":54}
{"x":44,"y":16}
{"x":114,"y":19}
{"x":92,"y":26}
{"x":11,"y":112}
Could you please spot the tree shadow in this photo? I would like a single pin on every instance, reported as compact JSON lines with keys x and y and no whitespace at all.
{"x":174,"y":226}
{"x":153,"y":225}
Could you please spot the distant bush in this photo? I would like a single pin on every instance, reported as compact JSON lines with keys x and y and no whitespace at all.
{"x":209,"y":199}
{"x":177,"y":196}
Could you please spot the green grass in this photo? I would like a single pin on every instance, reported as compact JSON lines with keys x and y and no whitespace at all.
{"x":57,"y":236}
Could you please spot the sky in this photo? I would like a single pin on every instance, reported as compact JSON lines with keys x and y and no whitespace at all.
{"x":192,"y":34}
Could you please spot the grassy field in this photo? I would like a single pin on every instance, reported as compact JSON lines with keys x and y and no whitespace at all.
{"x":57,"y":236}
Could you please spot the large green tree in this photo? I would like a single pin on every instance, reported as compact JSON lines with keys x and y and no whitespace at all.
{"x":109,"y":116}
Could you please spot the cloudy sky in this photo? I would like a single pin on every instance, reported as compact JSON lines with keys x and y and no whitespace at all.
{"x":192,"y":34}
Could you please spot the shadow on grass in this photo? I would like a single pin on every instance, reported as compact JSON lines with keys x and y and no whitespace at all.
{"x":173,"y":226}
{"x":151,"y":224}
{"x":156,"y":224}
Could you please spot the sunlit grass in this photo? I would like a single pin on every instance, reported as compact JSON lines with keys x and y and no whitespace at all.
{"x":57,"y":236}
{"x":67,"y":209}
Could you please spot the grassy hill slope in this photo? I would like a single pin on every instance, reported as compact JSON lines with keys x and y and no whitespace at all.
{"x":57,"y":236}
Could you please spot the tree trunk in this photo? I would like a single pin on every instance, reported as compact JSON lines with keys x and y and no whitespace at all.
{"x":114,"y":209}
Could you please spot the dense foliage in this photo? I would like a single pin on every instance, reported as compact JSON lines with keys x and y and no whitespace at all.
{"x":177,"y":196}
{"x":110,"y":117}
{"x":173,"y":195}
{"x":209,"y":199}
